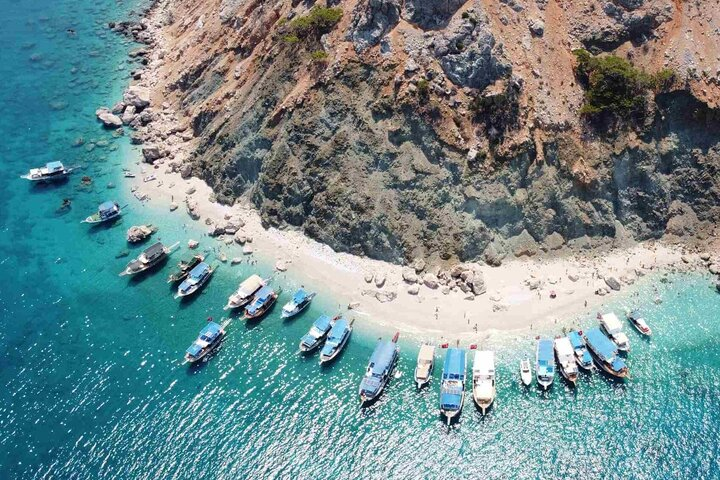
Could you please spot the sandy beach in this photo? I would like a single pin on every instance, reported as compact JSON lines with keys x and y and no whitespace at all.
{"x":518,"y":296}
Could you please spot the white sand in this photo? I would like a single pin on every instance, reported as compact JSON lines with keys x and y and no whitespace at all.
{"x":508,"y":305}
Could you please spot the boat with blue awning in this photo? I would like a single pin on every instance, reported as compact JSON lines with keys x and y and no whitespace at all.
{"x":582,"y":356}
{"x":51,"y":172}
{"x":299,"y":302}
{"x":605,"y":353}
{"x":210,"y":337}
{"x":544,"y":363}
{"x":263,"y":300}
{"x":336,"y":340}
{"x":379,"y":369}
{"x":195,"y":280}
{"x":107,"y":211}
{"x":317,"y":334}
{"x":452,"y":383}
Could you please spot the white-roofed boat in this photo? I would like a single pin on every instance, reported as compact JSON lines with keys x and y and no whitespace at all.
{"x":51,"y":172}
{"x":565,"y":356}
{"x":425,"y":363}
{"x":525,"y":372}
{"x":245,"y":292}
{"x":107,"y":211}
{"x":639,"y":323}
{"x":612,"y":327}
{"x":484,"y":390}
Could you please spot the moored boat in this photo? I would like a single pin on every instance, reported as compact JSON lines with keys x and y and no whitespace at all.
{"x":107,"y":211}
{"x":317,"y":334}
{"x":299,"y":302}
{"x":425,"y":364}
{"x":336,"y":340}
{"x":605,"y":353}
{"x":195,"y":280}
{"x":565,"y":356}
{"x":263,"y":300}
{"x":639,"y":323}
{"x":612,"y":327}
{"x":51,"y":172}
{"x":544,"y":363}
{"x":210,"y":337}
{"x":184,"y":268}
{"x":525,"y":372}
{"x":582,"y":356}
{"x":452,"y":385}
{"x":245,"y":292}
{"x":484,"y":390}
{"x":150,"y":257}
{"x":379,"y":369}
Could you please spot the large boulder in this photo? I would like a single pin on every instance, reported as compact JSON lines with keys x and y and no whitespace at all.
{"x":108,"y":119}
{"x":524,"y":245}
{"x":409,"y":275}
{"x":137,"y":96}
{"x":372,"y":21}
{"x":430,"y":14}
{"x":152,"y":153}
{"x":431,"y":281}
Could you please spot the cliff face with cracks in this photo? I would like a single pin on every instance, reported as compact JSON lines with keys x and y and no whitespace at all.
{"x":367,"y":134}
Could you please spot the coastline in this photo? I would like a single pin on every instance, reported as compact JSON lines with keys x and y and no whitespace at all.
{"x":517,"y":296}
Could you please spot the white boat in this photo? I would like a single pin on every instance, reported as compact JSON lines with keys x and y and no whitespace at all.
{"x":565,"y":357}
{"x":525,"y":372}
{"x":245,"y":292}
{"x":612,"y":327}
{"x":300,"y":301}
{"x":639,"y":323}
{"x":484,"y":379}
{"x":425,"y":363}
{"x":107,"y":212}
{"x":51,"y":172}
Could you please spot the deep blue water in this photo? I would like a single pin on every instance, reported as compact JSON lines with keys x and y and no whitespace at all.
{"x":93,"y":384}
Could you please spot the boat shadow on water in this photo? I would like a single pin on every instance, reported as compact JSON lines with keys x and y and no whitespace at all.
{"x":107,"y":225}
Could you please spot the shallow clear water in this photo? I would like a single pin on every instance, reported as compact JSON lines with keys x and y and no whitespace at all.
{"x":92,"y":380}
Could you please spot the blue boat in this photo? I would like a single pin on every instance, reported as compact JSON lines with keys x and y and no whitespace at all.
{"x":195,"y":280}
{"x":605,"y":353}
{"x":582,"y":356}
{"x":545,"y":363}
{"x":336,"y":340}
{"x":261,"y":303}
{"x":107,"y":211}
{"x":452,"y":384}
{"x":379,"y":369}
{"x":317,"y":334}
{"x":209,"y":338}
{"x":299,"y":302}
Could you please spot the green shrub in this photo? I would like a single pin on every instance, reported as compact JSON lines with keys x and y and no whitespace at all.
{"x":319,"y":20}
{"x":423,"y":87}
{"x":290,"y":38}
{"x":319,"y":56}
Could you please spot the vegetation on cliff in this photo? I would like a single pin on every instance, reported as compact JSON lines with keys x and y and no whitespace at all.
{"x":615,"y":89}
{"x":319,"y":20}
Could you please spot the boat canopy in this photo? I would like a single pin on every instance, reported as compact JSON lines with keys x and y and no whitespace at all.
{"x":200,"y":270}
{"x":264,"y":294}
{"x":338,"y":331}
{"x":53,"y":167}
{"x":484,"y":363}
{"x":575,"y":340}
{"x":426,"y":354}
{"x":563,"y":347}
{"x":154,"y":250}
{"x":612,"y":323}
{"x":382,"y":357}
{"x":300,"y":296}
{"x":106,"y":207}
{"x":194,"y":349}
{"x":545,"y":357}
{"x":210,"y":331}
{"x":454,"y":367}
{"x":322,"y":323}
{"x":250,"y":285}
{"x":601,"y":345}
{"x":451,"y":398}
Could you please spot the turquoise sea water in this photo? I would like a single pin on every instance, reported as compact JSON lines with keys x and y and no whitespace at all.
{"x":91,"y":371}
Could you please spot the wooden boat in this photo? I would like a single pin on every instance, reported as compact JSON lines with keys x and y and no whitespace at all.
{"x":150,"y":257}
{"x":425,"y":364}
{"x":525,"y":372}
{"x":605,"y":353}
{"x":452,"y":384}
{"x":195,"y":280}
{"x":336,"y":340}
{"x":582,"y":356}
{"x":262,"y":302}
{"x":379,"y":369}
{"x":484,"y":390}
{"x":107,"y":212}
{"x":300,"y":301}
{"x":245,"y":292}
{"x":184,"y":268}
{"x":544,"y":363}
{"x":208,"y":339}
{"x":639,"y":323}
{"x":51,"y":172}
{"x":565,"y":357}
{"x":318,"y":333}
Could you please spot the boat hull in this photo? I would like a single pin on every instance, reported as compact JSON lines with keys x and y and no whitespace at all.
{"x":336,"y":352}
{"x":484,"y":403}
{"x":369,"y":398}
{"x":526,"y":379}
{"x":197,"y":287}
{"x":260,"y":313}
{"x":206,"y":351}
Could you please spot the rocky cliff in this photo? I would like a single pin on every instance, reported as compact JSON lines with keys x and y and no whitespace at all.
{"x":445,"y":129}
